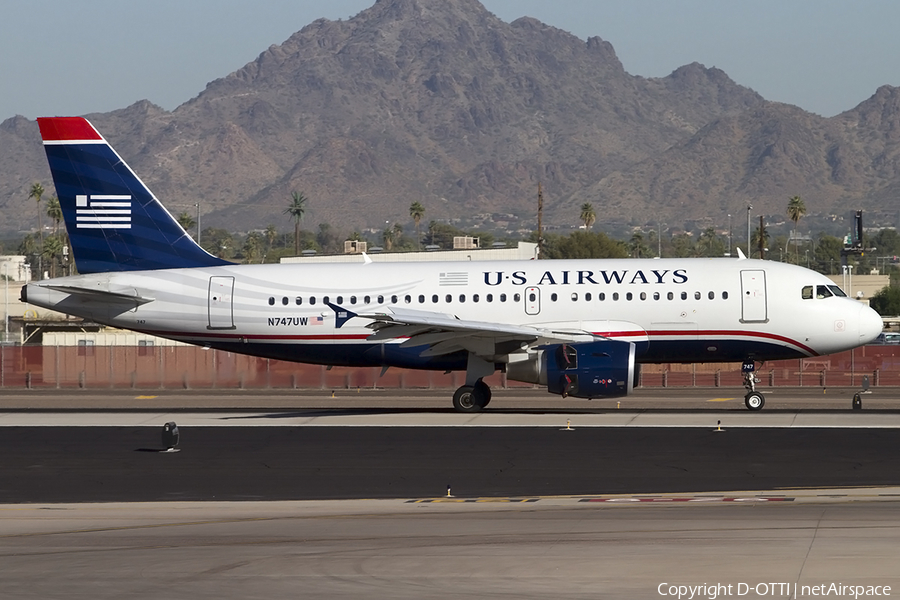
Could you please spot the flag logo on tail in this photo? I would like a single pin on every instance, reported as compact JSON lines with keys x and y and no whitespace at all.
{"x":103,"y":211}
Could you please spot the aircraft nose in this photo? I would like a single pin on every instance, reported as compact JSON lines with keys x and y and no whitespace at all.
{"x":870,"y":325}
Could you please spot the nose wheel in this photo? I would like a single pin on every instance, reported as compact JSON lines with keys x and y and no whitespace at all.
{"x":753,"y":400}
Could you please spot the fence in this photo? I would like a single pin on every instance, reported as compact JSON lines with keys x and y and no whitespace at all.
{"x":185,"y":367}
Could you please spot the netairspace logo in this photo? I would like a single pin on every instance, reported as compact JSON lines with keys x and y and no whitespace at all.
{"x":782,"y":590}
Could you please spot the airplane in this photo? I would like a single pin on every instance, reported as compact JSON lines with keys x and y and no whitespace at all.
{"x":580,"y":327}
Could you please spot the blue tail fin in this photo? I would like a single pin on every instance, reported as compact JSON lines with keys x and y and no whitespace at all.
{"x":114,"y":222}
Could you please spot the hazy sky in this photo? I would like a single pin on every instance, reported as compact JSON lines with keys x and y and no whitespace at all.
{"x":64,"y":57}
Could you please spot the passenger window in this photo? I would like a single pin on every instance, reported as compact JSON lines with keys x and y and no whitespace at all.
{"x":421,"y":299}
{"x":643,"y":295}
{"x":312,"y":299}
{"x":408,"y":298}
{"x":806,"y":292}
{"x":367,"y":300}
{"x":553,"y":297}
{"x":352,"y":299}
{"x":340,"y":299}
{"x":587,"y":296}
{"x":502,"y":297}
{"x":325,"y":300}
{"x":656,"y":295}
{"x":393,"y":299}
{"x":724,"y":295}
{"x":298,"y":300}
{"x":574,"y":296}
{"x":434,"y":299}
{"x":448,"y":298}
{"x":517,"y":297}
{"x":380,"y":299}
{"x":684,"y":295}
{"x":271,"y":300}
{"x":670,"y":296}
{"x":489,"y":297}
{"x":696,"y":295}
{"x":474,"y":297}
{"x":601,"y":296}
{"x":285,"y":300}
{"x":712,"y":295}
{"x":822,"y":291}
{"x":629,"y":296}
{"x":615,"y":296}
{"x":462,"y":297}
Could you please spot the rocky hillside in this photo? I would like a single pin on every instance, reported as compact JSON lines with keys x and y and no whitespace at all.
{"x":442,"y":102}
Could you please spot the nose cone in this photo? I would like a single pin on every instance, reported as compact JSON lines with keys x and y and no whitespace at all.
{"x":870,"y":325}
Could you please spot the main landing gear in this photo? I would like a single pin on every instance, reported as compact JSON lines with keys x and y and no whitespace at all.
{"x":476,"y":394}
{"x":472,"y":398}
{"x":753,"y":400}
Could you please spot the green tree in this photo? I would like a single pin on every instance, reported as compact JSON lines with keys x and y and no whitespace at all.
{"x":417,"y":212}
{"x":582,"y":244}
{"x":795,"y":210}
{"x":588,"y":216}
{"x":218,"y":242}
{"x":271,"y":236}
{"x":54,"y":211}
{"x":186,"y":220}
{"x":252,"y":246}
{"x":886,"y":301}
{"x":683,"y":245}
{"x":754,"y":239}
{"x":296,"y":210}
{"x":52,"y":249}
{"x":637,"y":246}
{"x":36,"y":192}
{"x":828,"y":253}
{"x":710,"y":244}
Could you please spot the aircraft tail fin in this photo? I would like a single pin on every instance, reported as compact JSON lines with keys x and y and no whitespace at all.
{"x":114,"y":221}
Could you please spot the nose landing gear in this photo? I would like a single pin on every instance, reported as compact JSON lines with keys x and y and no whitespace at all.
{"x":753,"y":400}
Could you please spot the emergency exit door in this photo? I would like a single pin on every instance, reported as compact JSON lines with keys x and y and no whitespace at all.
{"x":753,"y":297}
{"x":532,"y":301}
{"x":221,"y":311}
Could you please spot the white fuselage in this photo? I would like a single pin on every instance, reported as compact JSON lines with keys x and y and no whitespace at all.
{"x":677,"y":310}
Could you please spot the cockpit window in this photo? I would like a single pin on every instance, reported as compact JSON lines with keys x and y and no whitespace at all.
{"x":807,"y":292}
{"x":837,"y":291}
{"x":822,"y":291}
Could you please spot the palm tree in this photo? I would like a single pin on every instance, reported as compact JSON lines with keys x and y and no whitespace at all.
{"x":186,"y":220}
{"x":52,"y":249}
{"x":296,"y":210}
{"x":637,"y":246}
{"x":796,"y":209}
{"x":37,"y":190}
{"x":271,"y":236}
{"x":54,"y":211}
{"x":755,"y":238}
{"x":588,"y":217}
{"x":252,"y":246}
{"x":417,"y":211}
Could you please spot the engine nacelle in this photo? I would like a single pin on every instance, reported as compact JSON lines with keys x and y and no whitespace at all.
{"x":601,"y":369}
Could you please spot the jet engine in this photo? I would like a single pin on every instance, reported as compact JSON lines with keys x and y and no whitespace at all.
{"x":602,"y":369}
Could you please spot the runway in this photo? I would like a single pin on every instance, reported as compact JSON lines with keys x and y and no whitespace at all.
{"x":348,"y":502}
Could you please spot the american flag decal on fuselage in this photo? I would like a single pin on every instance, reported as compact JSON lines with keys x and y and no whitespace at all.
{"x":103,"y":211}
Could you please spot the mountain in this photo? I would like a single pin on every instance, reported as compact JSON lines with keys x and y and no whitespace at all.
{"x":442,"y":102}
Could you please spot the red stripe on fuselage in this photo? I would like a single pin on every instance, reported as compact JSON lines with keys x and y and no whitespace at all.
{"x":613,"y":334}
{"x":57,"y":129}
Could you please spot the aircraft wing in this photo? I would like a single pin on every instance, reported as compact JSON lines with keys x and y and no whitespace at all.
{"x":445,"y":333}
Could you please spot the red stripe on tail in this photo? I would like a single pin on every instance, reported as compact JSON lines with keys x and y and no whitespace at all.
{"x":56,"y":129}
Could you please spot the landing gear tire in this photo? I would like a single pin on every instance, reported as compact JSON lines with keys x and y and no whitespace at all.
{"x":483,"y":392}
{"x":472,"y":398}
{"x":755,"y":401}
{"x":464,"y":400}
